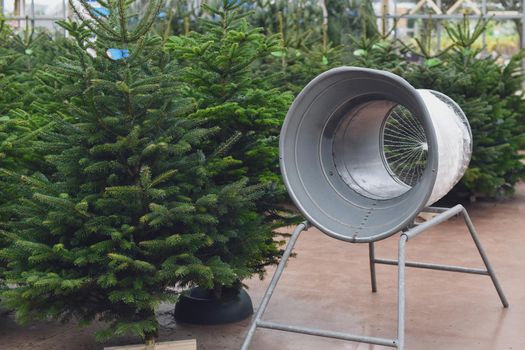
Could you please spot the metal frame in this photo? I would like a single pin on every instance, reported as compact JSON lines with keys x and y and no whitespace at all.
{"x":439,"y":14}
{"x":28,"y":13}
{"x":442,"y":14}
{"x":443,"y":214}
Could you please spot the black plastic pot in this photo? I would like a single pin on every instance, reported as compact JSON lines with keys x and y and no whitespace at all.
{"x":199,"y":306}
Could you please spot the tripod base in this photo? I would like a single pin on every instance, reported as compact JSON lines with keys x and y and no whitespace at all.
{"x":443,"y":214}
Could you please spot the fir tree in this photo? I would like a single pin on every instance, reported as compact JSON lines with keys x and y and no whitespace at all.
{"x":374,"y":51}
{"x":132,"y":205}
{"x":219,"y":70}
{"x":24,"y":102}
{"x":345,"y":18}
{"x":301,"y":17}
{"x":299,"y":66}
{"x":22,"y":112}
{"x":306,"y":49}
{"x":21,"y":56}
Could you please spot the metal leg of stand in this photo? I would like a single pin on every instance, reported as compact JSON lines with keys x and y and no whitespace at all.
{"x":401,"y":293}
{"x":443,"y":216}
{"x":269,"y":291}
{"x":372,"y":255}
{"x":401,"y":262}
{"x":399,"y":343}
{"x":258,"y":322}
{"x":484,"y":257}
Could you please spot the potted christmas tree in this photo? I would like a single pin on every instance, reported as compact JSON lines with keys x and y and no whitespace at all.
{"x":219,"y":70}
{"x":136,"y":202}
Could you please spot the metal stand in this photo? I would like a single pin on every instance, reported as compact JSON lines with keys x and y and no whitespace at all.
{"x":399,"y":343}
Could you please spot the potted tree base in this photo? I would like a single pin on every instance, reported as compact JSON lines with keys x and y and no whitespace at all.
{"x":206,"y":307}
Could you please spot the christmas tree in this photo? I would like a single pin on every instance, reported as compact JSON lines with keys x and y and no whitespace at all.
{"x":132,"y":204}
{"x":306,"y":49}
{"x":22,"y":116}
{"x":372,"y":50}
{"x":219,"y":70}
{"x":22,"y":112}
{"x":345,"y":18}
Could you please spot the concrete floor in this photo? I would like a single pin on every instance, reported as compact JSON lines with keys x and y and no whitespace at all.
{"x":327,"y":286}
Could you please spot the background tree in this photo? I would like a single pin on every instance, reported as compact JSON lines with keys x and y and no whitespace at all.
{"x":131,"y":205}
{"x":22,"y":112}
{"x":220,"y":72}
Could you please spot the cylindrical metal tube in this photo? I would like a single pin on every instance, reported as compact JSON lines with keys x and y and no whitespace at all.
{"x":363,"y":152}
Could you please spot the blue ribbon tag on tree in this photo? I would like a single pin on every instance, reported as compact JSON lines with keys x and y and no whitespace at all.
{"x":100,"y":11}
{"x":117,"y":54}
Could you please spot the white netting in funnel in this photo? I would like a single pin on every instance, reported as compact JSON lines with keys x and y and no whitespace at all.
{"x":405,"y":146}
{"x":454,"y":141}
